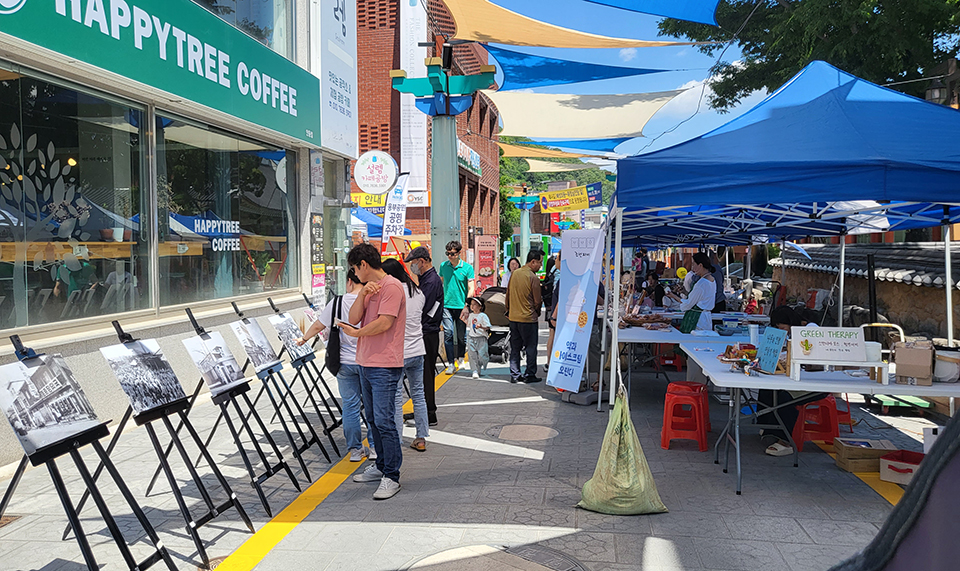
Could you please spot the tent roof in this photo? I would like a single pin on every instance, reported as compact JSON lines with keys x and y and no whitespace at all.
{"x":691,"y":10}
{"x":828,"y":145}
{"x":523,"y":71}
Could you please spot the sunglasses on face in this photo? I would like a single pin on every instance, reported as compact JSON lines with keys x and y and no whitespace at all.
{"x":452,"y":254}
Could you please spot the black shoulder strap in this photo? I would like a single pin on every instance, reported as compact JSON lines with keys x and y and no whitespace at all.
{"x":338,"y":303}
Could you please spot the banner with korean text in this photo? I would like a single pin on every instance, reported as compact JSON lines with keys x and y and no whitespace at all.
{"x":486,"y":262}
{"x":395,"y":215}
{"x":413,"y":122}
{"x":575,"y":198}
{"x":580,"y":271}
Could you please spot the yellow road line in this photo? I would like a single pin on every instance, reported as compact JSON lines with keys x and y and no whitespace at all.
{"x":890,"y":491}
{"x":252,"y":552}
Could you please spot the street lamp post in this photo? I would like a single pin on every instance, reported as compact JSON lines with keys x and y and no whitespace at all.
{"x":525,"y":203}
{"x":443,"y":96}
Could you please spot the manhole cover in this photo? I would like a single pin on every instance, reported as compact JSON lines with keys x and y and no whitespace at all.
{"x":8,"y":519}
{"x":522,"y":432}
{"x":528,"y":557}
{"x":549,"y":558}
{"x":214,"y":563}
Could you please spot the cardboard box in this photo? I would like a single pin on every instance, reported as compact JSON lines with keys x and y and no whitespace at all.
{"x":859,"y":464}
{"x":914,"y":359}
{"x":899,"y":467}
{"x":915,"y":381}
{"x":861,"y":448}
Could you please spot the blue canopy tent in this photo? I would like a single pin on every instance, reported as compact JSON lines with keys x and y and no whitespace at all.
{"x":374,"y":223}
{"x":826,"y":154}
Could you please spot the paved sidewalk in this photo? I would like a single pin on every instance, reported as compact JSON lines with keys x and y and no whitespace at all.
{"x":472,"y":488}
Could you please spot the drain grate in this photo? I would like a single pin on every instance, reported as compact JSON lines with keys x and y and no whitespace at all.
{"x":549,"y":558}
{"x":214,"y":563}
{"x":8,"y":519}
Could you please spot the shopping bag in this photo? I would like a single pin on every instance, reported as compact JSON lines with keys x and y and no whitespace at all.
{"x":622,"y":483}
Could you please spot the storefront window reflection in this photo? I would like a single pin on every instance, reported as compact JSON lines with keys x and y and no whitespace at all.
{"x":270,"y":22}
{"x":224,"y":207}
{"x":71,"y":200}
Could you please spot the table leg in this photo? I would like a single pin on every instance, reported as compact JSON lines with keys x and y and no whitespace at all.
{"x":724,"y":432}
{"x":737,"y":444}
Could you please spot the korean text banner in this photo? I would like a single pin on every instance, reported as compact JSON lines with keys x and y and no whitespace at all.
{"x":178,"y":47}
{"x":575,"y":198}
{"x":595,"y":194}
{"x":580,"y":271}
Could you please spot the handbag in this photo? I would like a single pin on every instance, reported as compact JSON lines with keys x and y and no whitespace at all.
{"x":690,"y":320}
{"x":332,"y":358}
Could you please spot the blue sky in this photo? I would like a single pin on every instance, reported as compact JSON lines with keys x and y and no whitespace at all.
{"x":597,"y":19}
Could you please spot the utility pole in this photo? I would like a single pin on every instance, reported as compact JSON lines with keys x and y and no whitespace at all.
{"x":444,"y":96}
{"x":525,"y":203}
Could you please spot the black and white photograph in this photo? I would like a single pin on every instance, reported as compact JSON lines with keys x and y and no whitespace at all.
{"x":145,"y":375}
{"x":289,"y":332}
{"x":44,"y":402}
{"x":216,"y":363}
{"x":255,"y":344}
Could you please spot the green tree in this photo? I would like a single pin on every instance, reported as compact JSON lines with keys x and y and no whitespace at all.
{"x":880,"y":41}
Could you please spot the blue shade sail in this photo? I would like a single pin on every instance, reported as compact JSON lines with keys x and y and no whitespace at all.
{"x":523,"y":71}
{"x":603,"y":145}
{"x":702,"y":11}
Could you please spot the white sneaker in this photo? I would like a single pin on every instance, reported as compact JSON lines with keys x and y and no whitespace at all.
{"x":371,"y":474}
{"x":388,"y":488}
{"x":357,"y":455}
{"x":411,"y":422}
{"x":475,"y":375}
{"x":370,"y":453}
{"x":451,"y":369}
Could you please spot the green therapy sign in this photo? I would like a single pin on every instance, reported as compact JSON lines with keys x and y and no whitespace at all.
{"x":179,"y":47}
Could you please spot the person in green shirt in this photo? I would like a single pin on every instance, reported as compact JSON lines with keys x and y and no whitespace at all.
{"x":458,"y":286}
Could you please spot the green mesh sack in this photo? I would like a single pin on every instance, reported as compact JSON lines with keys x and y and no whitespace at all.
{"x":622,"y":483}
{"x":690,"y":320}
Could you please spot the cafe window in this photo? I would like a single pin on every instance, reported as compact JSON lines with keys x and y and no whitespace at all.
{"x":224,"y":214}
{"x":270,"y":22}
{"x":71,"y":200}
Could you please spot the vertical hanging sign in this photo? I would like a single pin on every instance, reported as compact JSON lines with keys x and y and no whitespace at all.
{"x":486,"y":262}
{"x":395,"y":215}
{"x":413,"y":123}
{"x":580,"y":271}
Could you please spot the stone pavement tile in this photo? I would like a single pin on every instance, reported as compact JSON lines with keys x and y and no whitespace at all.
{"x":498,"y":477}
{"x":342,"y":512}
{"x":15,"y":529}
{"x":647,"y":552}
{"x":451,"y":493}
{"x":285,"y":560}
{"x":689,"y":524}
{"x":491,"y":419}
{"x":420,"y":540}
{"x":557,"y":478}
{"x":814,"y":557}
{"x":522,"y":464}
{"x":458,"y":464}
{"x":542,"y":516}
{"x":351,"y":537}
{"x":636,"y":524}
{"x":738,"y":554}
{"x":505,"y":535}
{"x":562,"y":497}
{"x":363,"y":559}
{"x":875,"y":512}
{"x":724,"y":503}
{"x":586,"y":546}
{"x":511,"y":495}
{"x":794,"y":506}
{"x":828,"y":532}
{"x":784,"y":529}
{"x":422,"y":512}
{"x":470,"y":513}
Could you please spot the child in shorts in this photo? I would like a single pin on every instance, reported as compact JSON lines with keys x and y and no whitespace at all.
{"x":478,"y":329}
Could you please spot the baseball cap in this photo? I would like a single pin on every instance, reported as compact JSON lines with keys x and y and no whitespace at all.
{"x":418,"y":253}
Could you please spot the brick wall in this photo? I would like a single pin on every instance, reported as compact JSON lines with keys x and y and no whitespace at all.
{"x":378,"y":41}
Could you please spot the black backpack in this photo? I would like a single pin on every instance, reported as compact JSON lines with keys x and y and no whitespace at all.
{"x":546,"y":288}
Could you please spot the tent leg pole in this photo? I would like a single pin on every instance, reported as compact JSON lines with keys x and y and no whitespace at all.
{"x":613,"y":352}
{"x":843,"y":270}
{"x":615,"y":288}
{"x":948,"y":263}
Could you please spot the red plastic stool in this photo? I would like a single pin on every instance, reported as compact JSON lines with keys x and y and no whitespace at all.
{"x":844,"y":416}
{"x":678,"y":423}
{"x":674,"y":360}
{"x":693,"y":388}
{"x":817,"y":421}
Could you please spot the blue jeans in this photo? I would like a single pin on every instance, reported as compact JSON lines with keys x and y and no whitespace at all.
{"x":378,"y":386}
{"x":452,"y":324}
{"x":413,"y":368}
{"x":348,"y":381}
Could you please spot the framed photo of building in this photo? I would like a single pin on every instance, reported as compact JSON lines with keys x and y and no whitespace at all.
{"x":255,"y":344}
{"x":215,"y":362}
{"x":44,"y":402}
{"x":145,"y":375}
{"x":289,"y":332}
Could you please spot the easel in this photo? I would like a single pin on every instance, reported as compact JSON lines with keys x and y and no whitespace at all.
{"x":146,"y":419}
{"x":48,"y":455}
{"x":300,"y":365}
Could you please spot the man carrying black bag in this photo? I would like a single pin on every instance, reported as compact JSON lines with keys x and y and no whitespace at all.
{"x":343,"y":364}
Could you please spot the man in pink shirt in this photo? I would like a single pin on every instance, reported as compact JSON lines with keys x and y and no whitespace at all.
{"x":381,"y":311}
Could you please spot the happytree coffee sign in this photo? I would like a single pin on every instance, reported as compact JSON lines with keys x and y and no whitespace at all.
{"x":375,"y":172}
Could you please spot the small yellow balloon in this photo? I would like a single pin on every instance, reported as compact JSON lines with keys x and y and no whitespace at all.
{"x":682,"y":273}
{"x":414,"y":244}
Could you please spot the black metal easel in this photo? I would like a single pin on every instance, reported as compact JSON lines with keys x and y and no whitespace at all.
{"x":48,"y":456}
{"x":232,"y":396}
{"x":163,"y":414}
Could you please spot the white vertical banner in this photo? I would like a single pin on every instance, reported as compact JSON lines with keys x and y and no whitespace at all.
{"x":395,"y":215}
{"x":413,"y":123}
{"x":333,"y":58}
